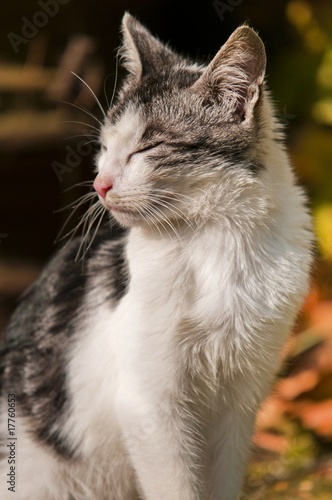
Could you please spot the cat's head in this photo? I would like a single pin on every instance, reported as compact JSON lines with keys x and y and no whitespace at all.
{"x":179,"y":131}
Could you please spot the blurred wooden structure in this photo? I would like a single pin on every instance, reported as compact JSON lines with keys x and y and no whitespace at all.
{"x":32,"y":96}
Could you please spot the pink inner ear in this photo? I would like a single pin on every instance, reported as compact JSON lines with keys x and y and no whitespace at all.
{"x":102,"y":185}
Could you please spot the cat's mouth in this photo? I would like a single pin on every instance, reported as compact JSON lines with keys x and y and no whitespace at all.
{"x":128,"y":217}
{"x":143,"y":211}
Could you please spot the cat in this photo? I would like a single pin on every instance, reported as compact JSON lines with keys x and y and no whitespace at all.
{"x":138,"y":375}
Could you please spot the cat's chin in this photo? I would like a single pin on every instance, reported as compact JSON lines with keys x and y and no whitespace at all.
{"x":128,"y":219}
{"x":124,"y":217}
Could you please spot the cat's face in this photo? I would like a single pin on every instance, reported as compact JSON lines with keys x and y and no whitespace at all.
{"x":177,"y":129}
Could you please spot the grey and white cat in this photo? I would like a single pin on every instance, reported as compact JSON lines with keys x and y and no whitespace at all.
{"x":139,"y":374}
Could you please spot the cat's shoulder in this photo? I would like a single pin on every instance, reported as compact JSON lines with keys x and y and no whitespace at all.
{"x":52,"y":303}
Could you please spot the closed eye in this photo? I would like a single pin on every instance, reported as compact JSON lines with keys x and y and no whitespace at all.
{"x":148,"y":147}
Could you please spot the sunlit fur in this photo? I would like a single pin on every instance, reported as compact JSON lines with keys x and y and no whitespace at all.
{"x":176,"y":334}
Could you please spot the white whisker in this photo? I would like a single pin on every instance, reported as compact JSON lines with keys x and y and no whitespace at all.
{"x":77,"y":203}
{"x":105,"y":93}
{"x":91,"y":92}
{"x":74,"y":206}
{"x":82,"y":221}
{"x":81,"y":108}
{"x":79,"y":184}
{"x":98,"y":212}
{"x":96,"y":137}
{"x":155,"y":212}
{"x":150,"y":220}
{"x":173,"y":209}
{"x":82,"y":123}
{"x":116,"y":76}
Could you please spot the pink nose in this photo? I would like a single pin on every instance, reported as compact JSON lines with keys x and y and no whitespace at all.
{"x":102,"y":186}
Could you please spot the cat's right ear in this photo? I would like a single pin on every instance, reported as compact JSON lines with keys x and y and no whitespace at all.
{"x":142,"y":53}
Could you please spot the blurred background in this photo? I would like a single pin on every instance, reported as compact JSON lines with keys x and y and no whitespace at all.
{"x":45,"y":111}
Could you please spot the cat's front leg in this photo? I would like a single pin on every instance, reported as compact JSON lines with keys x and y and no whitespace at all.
{"x":163,"y":450}
{"x":230,"y":447}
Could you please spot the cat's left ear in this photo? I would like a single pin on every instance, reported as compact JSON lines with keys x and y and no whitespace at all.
{"x":143,"y":53}
{"x":235,"y":75}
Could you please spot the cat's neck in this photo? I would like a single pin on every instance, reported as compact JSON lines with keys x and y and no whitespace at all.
{"x":184,"y":249}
